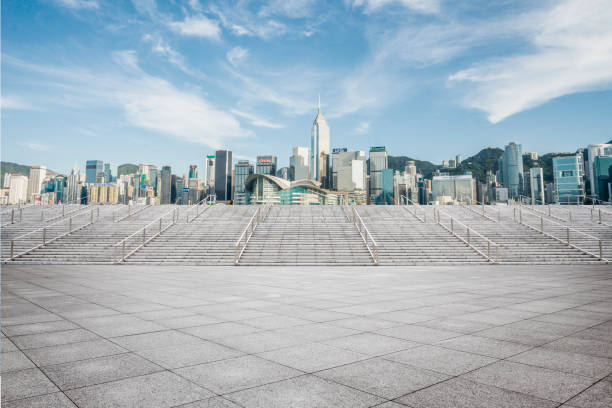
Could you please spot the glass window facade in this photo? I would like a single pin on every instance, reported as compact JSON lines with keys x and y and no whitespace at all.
{"x":569,"y":184}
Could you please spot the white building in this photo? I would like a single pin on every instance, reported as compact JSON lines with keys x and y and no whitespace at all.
{"x":460,"y":188}
{"x":595,"y":150}
{"x":18,"y":188}
{"x":350,"y":171}
{"x":319,"y":149}
{"x":37,"y":176}
{"x":536,"y":183}
{"x":299,"y":168}
{"x":73,"y":186}
{"x":209,"y":171}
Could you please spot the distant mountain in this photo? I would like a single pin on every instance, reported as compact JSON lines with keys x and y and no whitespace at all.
{"x":127,"y":168}
{"x":400,"y":162}
{"x":14,"y":168}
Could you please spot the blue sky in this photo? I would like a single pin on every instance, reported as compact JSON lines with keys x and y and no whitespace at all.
{"x":167,"y":82}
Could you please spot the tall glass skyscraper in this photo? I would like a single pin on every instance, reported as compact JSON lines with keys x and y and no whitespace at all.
{"x":511,"y":169}
{"x":319,"y":149}
{"x":92,"y":168}
{"x":166,"y":186}
{"x":243,"y":170}
{"x":223,"y":175}
{"x":378,"y":162}
{"x":266,"y":165}
{"x":569,"y":184}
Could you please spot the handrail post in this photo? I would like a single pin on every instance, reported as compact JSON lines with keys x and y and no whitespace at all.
{"x":62,"y":210}
{"x":568,"y":235}
{"x":488,"y":250}
{"x":452,"y":225}
{"x":70,"y":225}
{"x":20,"y":214}
{"x":91,"y":217}
{"x":468,"y":236}
{"x":13,"y":216}
{"x":542,"y":225}
{"x":12,"y":247}
{"x":144,"y":236}
{"x":599,"y":216}
{"x":123,"y":253}
{"x":160,"y":225}
{"x":600,"y":251}
{"x":44,"y":236}
{"x":97,"y":213}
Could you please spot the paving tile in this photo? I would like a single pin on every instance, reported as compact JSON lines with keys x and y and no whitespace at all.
{"x":220,"y":330}
{"x":236,"y":374}
{"x":598,"y":396}
{"x":455,"y":324}
{"x":371,"y":344}
{"x":316,"y":331}
{"x":313,"y":357}
{"x":276,"y":322}
{"x":98,"y":370}
{"x":155,"y":340}
{"x":573,"y":363}
{"x":72,"y":352}
{"x":261,"y":341}
{"x":584,"y":346}
{"x":458,"y":393}
{"x":53,"y":338}
{"x":7,"y":345}
{"x":15,"y":361}
{"x":403,"y":316}
{"x":158,"y":390}
{"x":484,"y":346}
{"x":519,"y":335}
{"x":188,"y":354}
{"x":25,"y":383}
{"x":536,"y":381}
{"x":364,"y":323}
{"x":34,"y":328}
{"x":187,"y":321}
{"x":215,"y":402}
{"x":418,"y":333}
{"x":442,"y":360}
{"x":304,"y":392}
{"x":127,"y":328}
{"x":382,"y":377}
{"x":499,"y":316}
{"x":55,"y":400}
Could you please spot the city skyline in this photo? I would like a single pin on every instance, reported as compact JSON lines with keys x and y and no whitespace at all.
{"x":179,"y":80}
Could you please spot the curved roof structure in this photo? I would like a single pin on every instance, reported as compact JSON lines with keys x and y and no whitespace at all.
{"x":281,"y":183}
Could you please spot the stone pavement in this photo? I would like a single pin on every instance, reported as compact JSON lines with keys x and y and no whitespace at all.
{"x":423,"y":337}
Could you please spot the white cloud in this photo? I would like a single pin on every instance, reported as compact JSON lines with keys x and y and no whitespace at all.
{"x":571,"y":52}
{"x":362,"y":128}
{"x":195,"y":5}
{"x":36,"y":146}
{"x":15,"y":102}
{"x":288,"y":8}
{"x":237,"y":55}
{"x":160,"y":47}
{"x":197,"y":26}
{"x":421,"y":6}
{"x":241,"y":22}
{"x":256,"y":120}
{"x":78,"y":4}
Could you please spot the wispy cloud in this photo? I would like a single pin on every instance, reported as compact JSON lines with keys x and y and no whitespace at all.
{"x":197,"y":26}
{"x":241,"y":21}
{"x":236,"y":55}
{"x":15,"y":102}
{"x":78,"y":4}
{"x":362,"y":128}
{"x":36,"y":146}
{"x":288,"y":8}
{"x":571,"y":52}
{"x":421,"y":6}
{"x":162,"y":48}
{"x":256,"y":120}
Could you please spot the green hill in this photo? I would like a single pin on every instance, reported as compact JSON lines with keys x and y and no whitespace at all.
{"x":14,"y":168}
{"x":127,"y":168}
{"x":399,"y":163}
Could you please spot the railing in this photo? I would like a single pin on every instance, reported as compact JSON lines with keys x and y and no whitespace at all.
{"x":240,"y":245}
{"x":549,"y":213}
{"x":483,"y":213}
{"x":130,"y":212}
{"x":567,"y":240}
{"x":44,"y":233}
{"x":127,"y":246}
{"x":197,"y":207}
{"x":12,"y":212}
{"x":414,"y":207}
{"x":492,"y":251}
{"x":368,"y":239}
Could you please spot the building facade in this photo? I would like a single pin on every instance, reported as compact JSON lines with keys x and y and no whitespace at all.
{"x":568,"y":176}
{"x":92,"y":169}
{"x":266,"y":165}
{"x":35,"y":181}
{"x":243,"y":170}
{"x":299,"y":167}
{"x":223,"y":175}
{"x":453,"y":188}
{"x":378,"y":162}
{"x":511,"y":169}
{"x":536,"y":185}
{"x":319,"y":149}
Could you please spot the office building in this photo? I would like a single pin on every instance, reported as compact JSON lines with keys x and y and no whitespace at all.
{"x":194,"y":190}
{"x":283,"y":173}
{"x":592,"y":152}
{"x":266,"y":165}
{"x":568,"y":176}
{"x":165,"y":196}
{"x":386,"y":196}
{"x":223,"y":175}
{"x":333,"y":179}
{"x":511,"y":169}
{"x":92,"y":169}
{"x":35,"y":181}
{"x":18,"y":188}
{"x":549,"y":193}
{"x":536,"y":185}
{"x":299,"y":167}
{"x":349,"y":170}
{"x":209,"y":169}
{"x":181,"y":189}
{"x":243,"y":170}
{"x":447,"y":189}
{"x":602,"y":175}
{"x":73,"y":186}
{"x":378,"y":163}
{"x":319,"y":149}
{"x":102,"y":194}
{"x":110,"y":172}
{"x":458,"y":160}
{"x":193,"y":171}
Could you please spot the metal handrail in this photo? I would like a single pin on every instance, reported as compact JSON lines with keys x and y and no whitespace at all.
{"x":143,"y":231}
{"x":414,"y":206}
{"x":258,"y":217}
{"x":45,"y":241}
{"x":483,"y":214}
{"x":197,"y":208}
{"x":567,"y":229}
{"x":365,"y":235}
{"x":532,"y":208}
{"x":469,"y":231}
{"x":130,"y":213}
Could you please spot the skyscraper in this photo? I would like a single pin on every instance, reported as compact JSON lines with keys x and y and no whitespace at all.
{"x":37,"y":175}
{"x":299,"y":168}
{"x":333,"y":179}
{"x":594,"y":151}
{"x":511,"y":169}
{"x":569,"y":185}
{"x":378,"y":162}
{"x":193,"y":171}
{"x":92,"y":168}
{"x":110,"y":172}
{"x":209,"y":176}
{"x":243,"y":170}
{"x":165,"y":196}
{"x":73,"y":188}
{"x":266,"y":165}
{"x":536,"y":185}
{"x":349,"y":171}
{"x":223,"y":175}
{"x":319,"y":149}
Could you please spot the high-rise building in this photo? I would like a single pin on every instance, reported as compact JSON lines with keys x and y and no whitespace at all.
{"x":459,"y":188}
{"x":60,"y":189}
{"x":73,"y":187}
{"x":349,"y":170}
{"x":110,"y":172}
{"x":92,"y":169}
{"x":223,"y":175}
{"x":299,"y":168}
{"x":333,"y":180}
{"x":243,"y":170}
{"x":266,"y":165}
{"x":193,"y":171}
{"x":594,"y":151}
{"x":511,"y":169}
{"x":180,"y":191}
{"x":458,"y":160}
{"x":165,"y":196}
{"x":18,"y":188}
{"x":602,"y":172}
{"x":319,"y":149}
{"x":568,"y":176}
{"x":536,"y":185}
{"x":283,"y":173}
{"x":209,"y":176}
{"x":378,"y":162}
{"x":37,"y":176}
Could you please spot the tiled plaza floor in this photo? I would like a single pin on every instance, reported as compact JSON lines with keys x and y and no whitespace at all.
{"x":194,"y":337}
